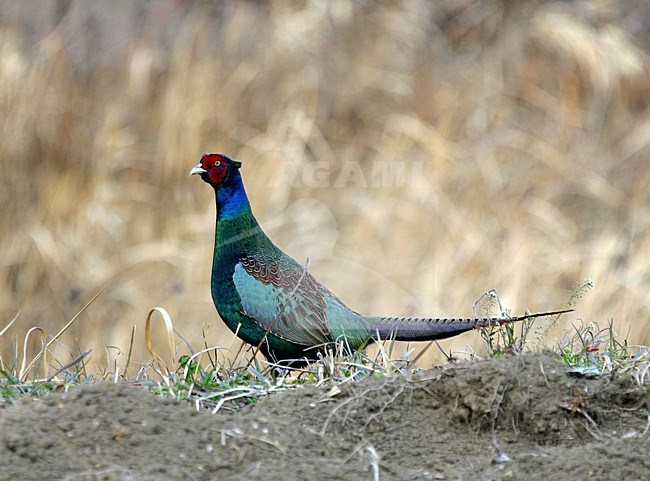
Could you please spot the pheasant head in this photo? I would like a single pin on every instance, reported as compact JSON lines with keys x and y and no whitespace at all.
{"x":222,"y":173}
{"x":216,"y":169}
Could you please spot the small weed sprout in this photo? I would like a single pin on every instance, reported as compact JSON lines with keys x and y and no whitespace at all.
{"x":503,"y":339}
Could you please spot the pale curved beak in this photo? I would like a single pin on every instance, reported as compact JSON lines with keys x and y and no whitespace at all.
{"x":198,"y":169}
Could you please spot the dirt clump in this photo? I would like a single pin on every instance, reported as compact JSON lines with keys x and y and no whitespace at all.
{"x":516,"y":418}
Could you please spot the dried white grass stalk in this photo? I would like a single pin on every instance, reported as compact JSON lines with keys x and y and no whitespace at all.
{"x":169,"y":329}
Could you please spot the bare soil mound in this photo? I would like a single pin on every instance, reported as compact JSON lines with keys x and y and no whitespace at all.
{"x":516,"y":418}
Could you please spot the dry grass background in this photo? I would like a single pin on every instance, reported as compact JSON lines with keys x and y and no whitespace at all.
{"x":522,"y":129}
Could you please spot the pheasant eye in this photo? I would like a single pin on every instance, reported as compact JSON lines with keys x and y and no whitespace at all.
{"x":217,"y":163}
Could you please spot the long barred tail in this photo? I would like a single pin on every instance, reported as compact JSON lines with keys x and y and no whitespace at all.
{"x":428,"y":328}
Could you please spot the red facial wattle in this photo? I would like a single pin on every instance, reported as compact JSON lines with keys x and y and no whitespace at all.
{"x":217,"y":173}
{"x":216,"y":166}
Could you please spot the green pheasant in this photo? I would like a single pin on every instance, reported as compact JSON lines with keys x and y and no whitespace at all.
{"x":268,"y":299}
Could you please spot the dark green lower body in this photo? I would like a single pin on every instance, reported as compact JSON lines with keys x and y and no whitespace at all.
{"x":275,"y":349}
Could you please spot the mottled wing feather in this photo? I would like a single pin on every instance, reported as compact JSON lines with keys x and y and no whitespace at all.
{"x":265,"y":286}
